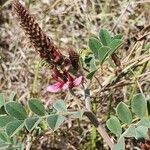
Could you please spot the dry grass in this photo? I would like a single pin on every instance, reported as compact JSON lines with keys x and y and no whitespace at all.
{"x":70,"y":23}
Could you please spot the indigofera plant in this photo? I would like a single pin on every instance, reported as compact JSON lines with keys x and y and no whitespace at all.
{"x":67,"y":73}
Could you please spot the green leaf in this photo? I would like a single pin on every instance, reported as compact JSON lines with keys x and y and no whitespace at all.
{"x":138,"y":105}
{"x":4,"y":120}
{"x":2,"y":99}
{"x":14,"y":127}
{"x":124,"y":113}
{"x":118,"y":36}
{"x":60,"y":106}
{"x":114,"y":45}
{"x":54,"y":121}
{"x":105,"y":37}
{"x":91,"y":74}
{"x":4,"y":145}
{"x":32,"y":122}
{"x":4,"y":137}
{"x":142,"y":132}
{"x":36,"y":106}
{"x":144,"y":122}
{"x":94,"y":45}
{"x":103,"y":53}
{"x":16,"y":110}
{"x":113,"y":124}
{"x":76,"y":114}
{"x":130,"y":132}
{"x":120,"y":144}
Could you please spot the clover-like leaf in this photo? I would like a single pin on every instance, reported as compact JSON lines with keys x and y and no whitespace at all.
{"x":103,"y":53}
{"x":113,"y":124}
{"x":130,"y":132}
{"x":16,"y":110}
{"x":144,"y":122}
{"x":54,"y":121}
{"x":138,"y":105}
{"x":5,"y":119}
{"x":114,"y":45}
{"x":94,"y":45}
{"x":36,"y":106}
{"x":142,"y":132}
{"x":32,"y":122}
{"x":14,"y":127}
{"x":105,"y":37}
{"x":60,"y":106}
{"x":123,"y":113}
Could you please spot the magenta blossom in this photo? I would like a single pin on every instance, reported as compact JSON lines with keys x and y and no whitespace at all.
{"x":61,"y":85}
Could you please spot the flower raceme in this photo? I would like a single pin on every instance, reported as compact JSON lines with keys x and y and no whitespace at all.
{"x":63,"y":81}
{"x":48,"y":51}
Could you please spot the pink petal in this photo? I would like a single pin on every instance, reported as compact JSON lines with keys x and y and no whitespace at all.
{"x":55,"y":87}
{"x":65,"y":86}
{"x":77,"y":81}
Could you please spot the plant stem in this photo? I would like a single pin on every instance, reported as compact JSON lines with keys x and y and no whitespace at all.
{"x":91,"y":116}
{"x":101,"y":130}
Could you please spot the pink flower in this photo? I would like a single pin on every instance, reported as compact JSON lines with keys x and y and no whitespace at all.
{"x":61,"y":85}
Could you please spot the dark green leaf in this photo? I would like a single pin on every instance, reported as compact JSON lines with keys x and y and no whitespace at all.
{"x":113,"y":124}
{"x":138,"y":105}
{"x":14,"y":127}
{"x":36,"y":106}
{"x":124,"y":113}
{"x":4,"y":137}
{"x":31,"y":123}
{"x":103,"y":53}
{"x":2,"y":99}
{"x":60,"y":106}
{"x":114,"y":45}
{"x":91,"y":74}
{"x":4,"y":120}
{"x":94,"y":45}
{"x":16,"y":110}
{"x":105,"y":37}
{"x":54,"y":121}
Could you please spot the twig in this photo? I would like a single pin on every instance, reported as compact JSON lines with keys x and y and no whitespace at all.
{"x":91,"y":116}
{"x":101,"y":130}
